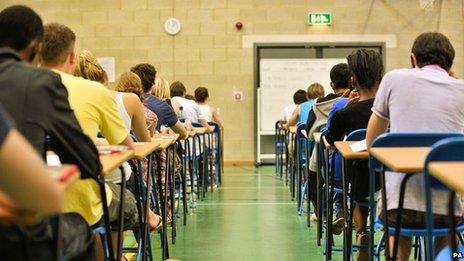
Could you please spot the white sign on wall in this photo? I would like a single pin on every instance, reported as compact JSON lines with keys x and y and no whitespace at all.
{"x":109,"y":65}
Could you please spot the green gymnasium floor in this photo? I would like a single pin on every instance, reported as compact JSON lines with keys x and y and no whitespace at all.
{"x":251,"y":217}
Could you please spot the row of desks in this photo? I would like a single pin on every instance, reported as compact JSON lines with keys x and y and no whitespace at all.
{"x":406,"y":160}
{"x":409,"y":160}
{"x":109,"y":163}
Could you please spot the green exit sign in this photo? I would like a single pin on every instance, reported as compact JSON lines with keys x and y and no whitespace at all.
{"x":319,"y":18}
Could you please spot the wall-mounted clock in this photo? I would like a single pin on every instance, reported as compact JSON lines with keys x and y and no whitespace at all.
{"x":172,"y":26}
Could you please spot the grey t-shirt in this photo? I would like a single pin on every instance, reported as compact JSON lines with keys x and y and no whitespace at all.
{"x":420,"y":100}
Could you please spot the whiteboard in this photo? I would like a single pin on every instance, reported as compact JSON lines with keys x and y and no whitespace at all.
{"x":281,"y":78}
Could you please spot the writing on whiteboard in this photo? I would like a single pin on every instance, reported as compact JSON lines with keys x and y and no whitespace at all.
{"x":280,"y":78}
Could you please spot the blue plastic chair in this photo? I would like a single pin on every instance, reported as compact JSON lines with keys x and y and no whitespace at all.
{"x":279,"y":149}
{"x":216,"y":150}
{"x":356,"y":135}
{"x":303,"y":153}
{"x":445,"y":150}
{"x":421,"y":139}
{"x":447,"y":252}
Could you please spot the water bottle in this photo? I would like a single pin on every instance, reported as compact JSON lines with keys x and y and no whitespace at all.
{"x":181,"y":114}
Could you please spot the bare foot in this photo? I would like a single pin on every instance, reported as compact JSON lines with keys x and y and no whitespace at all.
{"x":154,"y":221}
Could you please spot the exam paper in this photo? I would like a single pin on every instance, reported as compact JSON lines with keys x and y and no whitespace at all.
{"x":359,"y":146}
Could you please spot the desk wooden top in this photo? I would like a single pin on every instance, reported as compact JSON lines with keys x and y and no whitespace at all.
{"x":317,"y":137}
{"x":143,"y":149}
{"x":165,"y":140}
{"x":200,"y":130}
{"x":191,"y":133}
{"x":113,"y":161}
{"x":401,"y":159}
{"x":449,"y":173}
{"x":344,"y":148}
{"x":292,"y":129}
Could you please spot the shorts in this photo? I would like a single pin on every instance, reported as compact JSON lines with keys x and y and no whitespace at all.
{"x":417,"y":219}
{"x":359,"y":174}
{"x":130,"y":213}
{"x":38,"y":242}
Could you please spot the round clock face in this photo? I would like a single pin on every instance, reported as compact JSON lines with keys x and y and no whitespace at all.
{"x":172,"y":26}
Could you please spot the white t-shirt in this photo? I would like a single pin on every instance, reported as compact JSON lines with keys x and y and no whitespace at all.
{"x":420,"y":100}
{"x":288,"y":111}
{"x":206,"y":111}
{"x":190,"y":109}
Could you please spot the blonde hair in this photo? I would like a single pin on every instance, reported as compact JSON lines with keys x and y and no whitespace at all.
{"x":130,"y":82}
{"x":161,"y":89}
{"x":315,"y":90}
{"x":89,"y":68}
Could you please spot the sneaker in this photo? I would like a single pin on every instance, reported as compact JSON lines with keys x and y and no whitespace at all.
{"x":337,"y":226}
{"x":313,"y":217}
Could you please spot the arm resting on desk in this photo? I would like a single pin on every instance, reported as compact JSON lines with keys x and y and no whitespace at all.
{"x":180,"y":129}
{"x":376,"y":126}
{"x":24,"y":177}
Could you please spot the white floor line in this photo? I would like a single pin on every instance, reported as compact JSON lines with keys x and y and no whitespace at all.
{"x":245,"y":203}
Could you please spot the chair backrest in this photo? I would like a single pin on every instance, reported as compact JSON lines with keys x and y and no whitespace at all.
{"x":407,"y":139}
{"x":356,"y":135}
{"x":299,"y":128}
{"x":450,"y":149}
{"x":215,"y":125}
{"x":196,"y":125}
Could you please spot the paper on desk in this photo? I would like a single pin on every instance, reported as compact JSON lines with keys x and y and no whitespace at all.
{"x":359,"y":146}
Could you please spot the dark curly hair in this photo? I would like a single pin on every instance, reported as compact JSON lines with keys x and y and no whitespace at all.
{"x":146,"y":73}
{"x":366,"y":67}
{"x":433,"y":48}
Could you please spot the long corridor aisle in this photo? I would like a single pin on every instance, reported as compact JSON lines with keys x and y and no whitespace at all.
{"x":250,"y":218}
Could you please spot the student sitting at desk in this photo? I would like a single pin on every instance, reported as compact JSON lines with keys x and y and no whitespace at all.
{"x":189,"y":110}
{"x":21,"y":170}
{"x":97,"y":112}
{"x":161,"y":88}
{"x":129,"y":104}
{"x":339,"y":81}
{"x":301,"y":113}
{"x":423,"y":99}
{"x":130,"y":82}
{"x":318,"y":116}
{"x":366,"y":69}
{"x":299,"y":97}
{"x":210,"y":113}
{"x":166,"y":114}
{"x":37,"y":103}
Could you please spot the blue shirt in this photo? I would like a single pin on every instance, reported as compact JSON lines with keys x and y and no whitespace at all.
{"x":305,"y":108}
{"x":164,"y":112}
{"x":338,"y":105}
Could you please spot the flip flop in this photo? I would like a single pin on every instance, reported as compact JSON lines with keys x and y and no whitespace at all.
{"x":158,"y":227}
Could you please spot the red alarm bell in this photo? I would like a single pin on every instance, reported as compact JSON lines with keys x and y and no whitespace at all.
{"x":238,"y":25}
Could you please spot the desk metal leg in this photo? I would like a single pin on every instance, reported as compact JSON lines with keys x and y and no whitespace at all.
{"x":372,"y":206}
{"x":172,"y":187}
{"x":346,"y":233}
{"x":106,"y":217}
{"x":399,"y":214}
{"x":319,"y":196}
{"x":385,"y":216}
{"x":121,"y":214}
